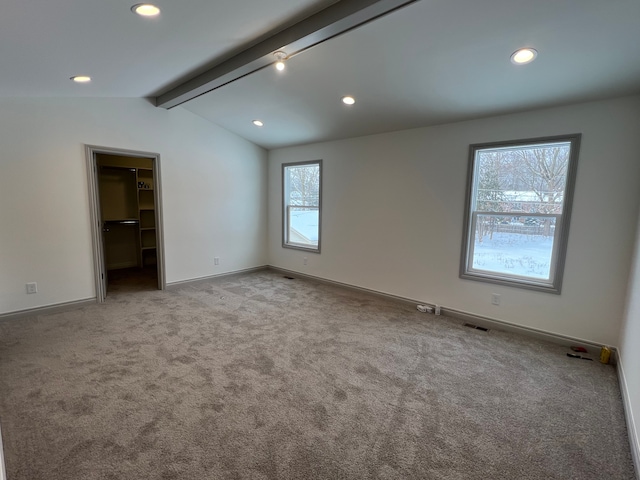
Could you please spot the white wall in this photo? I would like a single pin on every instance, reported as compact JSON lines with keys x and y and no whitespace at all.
{"x":214,"y":193}
{"x":394,"y":205}
{"x":630,"y":351}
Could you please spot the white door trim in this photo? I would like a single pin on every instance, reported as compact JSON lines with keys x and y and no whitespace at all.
{"x":96,"y":224}
{"x":3,"y":471}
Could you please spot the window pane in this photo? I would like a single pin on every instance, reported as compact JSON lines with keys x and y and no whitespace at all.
{"x":517,"y":246}
{"x":529,"y":179}
{"x":302,"y":205}
{"x":304,"y":225}
{"x":518,"y":200}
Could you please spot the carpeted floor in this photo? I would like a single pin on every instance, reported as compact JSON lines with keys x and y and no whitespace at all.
{"x":129,"y":280}
{"x":255,"y":376}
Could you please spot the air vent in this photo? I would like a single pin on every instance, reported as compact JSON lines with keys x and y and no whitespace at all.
{"x":476,"y":327}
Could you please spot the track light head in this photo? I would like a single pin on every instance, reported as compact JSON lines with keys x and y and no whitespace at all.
{"x":281,"y":57}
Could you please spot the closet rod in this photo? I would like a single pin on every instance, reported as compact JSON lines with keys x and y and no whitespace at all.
{"x":122,"y":222}
{"x":116,"y":167}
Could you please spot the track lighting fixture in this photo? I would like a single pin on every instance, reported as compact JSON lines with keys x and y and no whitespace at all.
{"x":281,"y":57}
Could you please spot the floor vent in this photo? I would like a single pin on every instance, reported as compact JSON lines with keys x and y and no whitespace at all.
{"x":289,"y":278}
{"x":471,"y":325}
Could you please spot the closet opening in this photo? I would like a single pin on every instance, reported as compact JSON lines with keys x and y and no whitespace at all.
{"x":127,"y":221}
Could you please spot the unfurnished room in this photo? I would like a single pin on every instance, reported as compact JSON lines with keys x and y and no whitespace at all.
{"x":320,"y":239}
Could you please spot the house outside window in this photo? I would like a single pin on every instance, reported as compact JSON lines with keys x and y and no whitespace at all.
{"x":518,"y":210}
{"x":302,"y":205}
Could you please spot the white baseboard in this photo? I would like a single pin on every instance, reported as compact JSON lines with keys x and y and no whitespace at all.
{"x":378,"y":293}
{"x":66,"y":306}
{"x":491,"y":323}
{"x":3,"y":471}
{"x":183,"y":283}
{"x":634,"y":441}
{"x":557,"y":338}
{"x":47,"y":309}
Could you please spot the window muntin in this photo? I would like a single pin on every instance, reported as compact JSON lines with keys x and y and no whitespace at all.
{"x":302,"y":195}
{"x":518,"y":208}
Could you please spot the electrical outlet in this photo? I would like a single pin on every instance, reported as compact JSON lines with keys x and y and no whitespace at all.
{"x":216,"y":260}
{"x":305,"y":260}
{"x":32,"y":287}
{"x":495,"y":299}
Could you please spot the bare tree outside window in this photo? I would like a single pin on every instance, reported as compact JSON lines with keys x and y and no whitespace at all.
{"x":304,"y":185}
{"x":527,"y":180}
{"x":490,"y":195}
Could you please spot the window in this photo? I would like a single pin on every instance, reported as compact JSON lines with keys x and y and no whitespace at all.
{"x":302,"y":204}
{"x":518,"y":207}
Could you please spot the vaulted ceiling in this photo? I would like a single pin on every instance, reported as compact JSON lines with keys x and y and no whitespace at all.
{"x":429,"y":62}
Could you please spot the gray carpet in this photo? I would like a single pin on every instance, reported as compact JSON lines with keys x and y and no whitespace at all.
{"x":129,"y":280}
{"x":256,"y":376}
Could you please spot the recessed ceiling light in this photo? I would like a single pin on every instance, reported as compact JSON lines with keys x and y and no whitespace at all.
{"x":258,"y":123}
{"x":81,"y":79}
{"x":524,"y":56}
{"x":348,"y":100}
{"x":145,"y":9}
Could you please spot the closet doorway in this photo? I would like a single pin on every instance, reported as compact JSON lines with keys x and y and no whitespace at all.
{"x":126,"y":218}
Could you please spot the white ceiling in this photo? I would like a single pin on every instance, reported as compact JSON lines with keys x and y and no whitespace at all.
{"x":431,"y":62}
{"x":44,"y":42}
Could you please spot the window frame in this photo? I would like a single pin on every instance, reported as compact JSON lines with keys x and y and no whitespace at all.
{"x":285,"y":208}
{"x":561,"y":231}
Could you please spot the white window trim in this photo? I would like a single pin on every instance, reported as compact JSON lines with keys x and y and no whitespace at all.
{"x":561,"y":233}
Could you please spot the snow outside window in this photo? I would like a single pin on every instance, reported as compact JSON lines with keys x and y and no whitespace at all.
{"x":518,"y":208}
{"x":302,"y":189}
